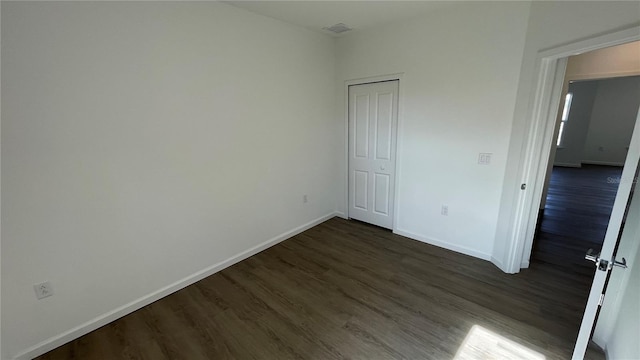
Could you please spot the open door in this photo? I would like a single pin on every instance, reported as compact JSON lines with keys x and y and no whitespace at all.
{"x":605,"y":261}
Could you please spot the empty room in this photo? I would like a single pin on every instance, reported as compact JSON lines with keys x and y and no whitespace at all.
{"x":308,"y":180}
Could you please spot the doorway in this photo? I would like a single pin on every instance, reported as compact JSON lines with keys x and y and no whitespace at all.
{"x":372,"y":133}
{"x":596,"y":120}
{"x":551,"y":93}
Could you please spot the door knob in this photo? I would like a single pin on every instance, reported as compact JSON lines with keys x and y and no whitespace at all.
{"x":622,"y":264}
{"x":604,"y":265}
{"x":589,"y":256}
{"x":381,"y":167}
{"x":601,"y":265}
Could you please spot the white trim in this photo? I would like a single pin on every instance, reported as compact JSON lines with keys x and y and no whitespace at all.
{"x":368,"y":80}
{"x":496,"y":262}
{"x":606,"y":163}
{"x":539,"y":142}
{"x":539,"y":136}
{"x":568,"y":165}
{"x":598,"y":42}
{"x":443,"y":244}
{"x":342,"y":215}
{"x":0,"y":202}
{"x":602,"y":76}
{"x":65,"y":337}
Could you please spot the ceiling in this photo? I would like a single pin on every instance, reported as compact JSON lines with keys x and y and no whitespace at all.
{"x":316,"y":14}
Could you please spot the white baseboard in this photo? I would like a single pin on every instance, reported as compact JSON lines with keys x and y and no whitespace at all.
{"x":443,"y":244}
{"x":497,"y":263}
{"x":500,"y":265}
{"x":340,"y":214}
{"x":567,"y":165}
{"x":65,"y":337}
{"x":606,"y":163}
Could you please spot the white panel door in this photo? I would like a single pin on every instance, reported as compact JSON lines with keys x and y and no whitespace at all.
{"x":605,"y":261}
{"x":373,"y":118}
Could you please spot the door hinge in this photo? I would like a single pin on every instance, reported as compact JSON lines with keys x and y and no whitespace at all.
{"x":601,"y":300}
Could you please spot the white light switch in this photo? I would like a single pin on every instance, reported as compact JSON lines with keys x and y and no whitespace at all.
{"x":484,"y":158}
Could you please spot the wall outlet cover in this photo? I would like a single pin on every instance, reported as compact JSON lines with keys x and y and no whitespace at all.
{"x":43,"y":290}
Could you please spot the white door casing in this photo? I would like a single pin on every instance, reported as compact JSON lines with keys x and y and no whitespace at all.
{"x":610,"y":242}
{"x":373,"y":118}
{"x":532,"y":163}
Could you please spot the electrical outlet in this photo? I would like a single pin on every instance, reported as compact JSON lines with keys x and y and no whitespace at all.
{"x":445,"y":210}
{"x":305,"y":199}
{"x":43,"y":290}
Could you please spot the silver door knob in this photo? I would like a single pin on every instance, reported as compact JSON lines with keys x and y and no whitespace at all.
{"x":591,"y":257}
{"x":622,"y":264}
{"x":604,"y":265}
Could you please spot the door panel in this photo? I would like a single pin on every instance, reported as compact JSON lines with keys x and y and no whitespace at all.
{"x":373,"y":116}
{"x":384,"y":123}
{"x":361,"y":139}
{"x":381,"y":195}
{"x":610,"y":243}
{"x":361,"y":189}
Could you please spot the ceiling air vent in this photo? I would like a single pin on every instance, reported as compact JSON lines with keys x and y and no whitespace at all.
{"x":337,"y":28}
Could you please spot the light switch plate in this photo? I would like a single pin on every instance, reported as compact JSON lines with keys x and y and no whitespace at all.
{"x":484,"y":158}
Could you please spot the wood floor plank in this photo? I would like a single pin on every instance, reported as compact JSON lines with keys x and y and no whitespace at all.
{"x":347,"y":290}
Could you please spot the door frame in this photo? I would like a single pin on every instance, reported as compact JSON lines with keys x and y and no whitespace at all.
{"x":399,"y":127}
{"x":551,"y":65}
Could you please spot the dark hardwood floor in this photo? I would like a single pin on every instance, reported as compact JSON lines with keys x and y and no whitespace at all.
{"x":345,"y":289}
{"x":576,"y":215}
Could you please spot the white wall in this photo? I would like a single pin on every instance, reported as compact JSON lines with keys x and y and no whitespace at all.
{"x":612,"y":120}
{"x":144,"y":142}
{"x":461,"y":66}
{"x":551,"y":24}
{"x":576,"y":129}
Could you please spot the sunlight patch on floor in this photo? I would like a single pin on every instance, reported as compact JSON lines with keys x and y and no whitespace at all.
{"x":481,"y":343}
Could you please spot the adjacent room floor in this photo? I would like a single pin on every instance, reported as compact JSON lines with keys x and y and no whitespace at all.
{"x":576,"y":216}
{"x":345,"y":289}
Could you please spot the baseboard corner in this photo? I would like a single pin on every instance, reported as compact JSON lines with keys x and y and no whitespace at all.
{"x":341,"y":215}
{"x":497,"y":263}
